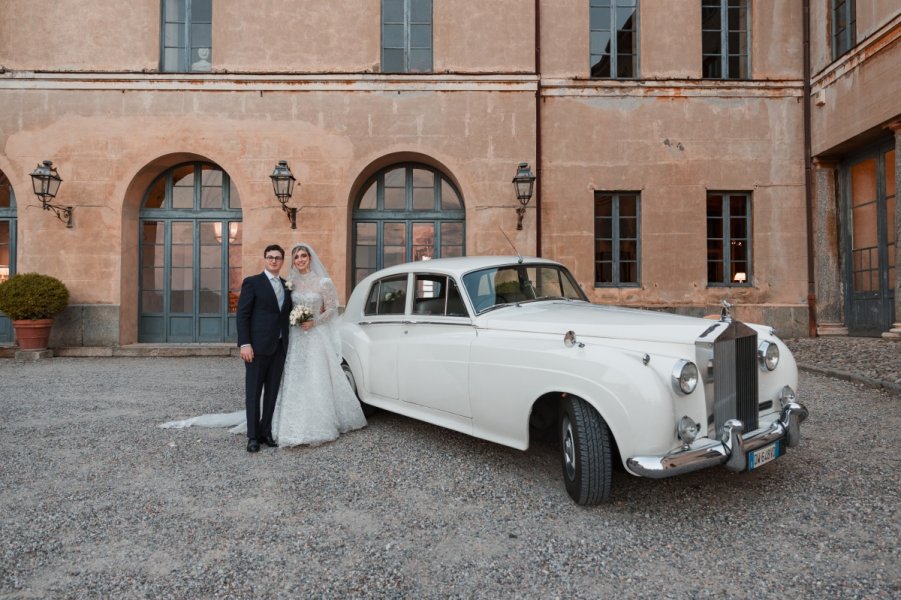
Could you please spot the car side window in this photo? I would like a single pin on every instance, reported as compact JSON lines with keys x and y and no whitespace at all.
{"x":437,"y":295}
{"x":387,"y":296}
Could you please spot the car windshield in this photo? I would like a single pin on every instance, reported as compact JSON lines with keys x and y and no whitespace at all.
{"x":502,"y":286}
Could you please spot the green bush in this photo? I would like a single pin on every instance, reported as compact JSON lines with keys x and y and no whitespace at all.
{"x":32,"y":296}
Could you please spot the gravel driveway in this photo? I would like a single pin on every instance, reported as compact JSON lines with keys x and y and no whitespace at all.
{"x":99,"y":502}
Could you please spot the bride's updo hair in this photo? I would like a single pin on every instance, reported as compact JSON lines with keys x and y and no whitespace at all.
{"x":299,"y":247}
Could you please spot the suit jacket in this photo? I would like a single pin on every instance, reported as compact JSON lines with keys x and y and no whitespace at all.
{"x":259,"y":318}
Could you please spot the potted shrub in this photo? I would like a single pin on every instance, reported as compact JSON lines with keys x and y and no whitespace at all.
{"x":31,"y":300}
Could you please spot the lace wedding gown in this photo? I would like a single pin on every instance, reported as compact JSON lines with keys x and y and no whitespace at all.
{"x":315,"y":402}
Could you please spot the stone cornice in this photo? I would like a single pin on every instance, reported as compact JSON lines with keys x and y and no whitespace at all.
{"x":269,"y":82}
{"x":672,"y":88}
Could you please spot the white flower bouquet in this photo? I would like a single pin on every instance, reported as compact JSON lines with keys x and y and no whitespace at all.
{"x":300,"y":314}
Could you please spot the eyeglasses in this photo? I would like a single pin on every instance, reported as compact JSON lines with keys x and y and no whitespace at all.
{"x":276,"y":258}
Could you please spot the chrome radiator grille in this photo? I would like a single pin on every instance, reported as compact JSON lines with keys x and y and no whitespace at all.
{"x":735,"y":377}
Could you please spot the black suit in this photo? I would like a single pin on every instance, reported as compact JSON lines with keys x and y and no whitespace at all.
{"x":265,"y":327}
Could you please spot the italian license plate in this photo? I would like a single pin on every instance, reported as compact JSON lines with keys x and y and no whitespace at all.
{"x":762,"y":456}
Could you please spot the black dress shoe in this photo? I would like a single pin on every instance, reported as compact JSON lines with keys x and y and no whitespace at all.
{"x":253,"y":445}
{"x":269,"y":441}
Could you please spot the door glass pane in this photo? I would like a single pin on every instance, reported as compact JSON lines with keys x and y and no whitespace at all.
{"x":365,"y":250}
{"x":451,"y":239}
{"x":210,"y":187}
{"x":368,"y":201}
{"x":156,"y":194}
{"x":449,"y":198}
{"x":423,"y":190}
{"x":183,"y":187}
{"x":181,"y":276}
{"x":235,"y":241}
{"x":395,"y":246}
{"x":395,"y":189}
{"x":863,"y":182}
{"x":423,"y":241}
{"x":5,"y":251}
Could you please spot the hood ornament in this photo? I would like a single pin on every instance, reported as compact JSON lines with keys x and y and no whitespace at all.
{"x":726,"y":313}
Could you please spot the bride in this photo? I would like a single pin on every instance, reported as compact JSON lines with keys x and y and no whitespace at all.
{"x":315,"y":402}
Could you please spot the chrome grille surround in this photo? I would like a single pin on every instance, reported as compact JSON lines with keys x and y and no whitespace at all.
{"x":727,"y":357}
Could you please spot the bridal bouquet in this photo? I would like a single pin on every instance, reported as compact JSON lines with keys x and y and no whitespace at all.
{"x":301,"y":313}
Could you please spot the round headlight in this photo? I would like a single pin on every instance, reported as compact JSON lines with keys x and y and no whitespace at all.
{"x":768,"y":355}
{"x":685,"y":377}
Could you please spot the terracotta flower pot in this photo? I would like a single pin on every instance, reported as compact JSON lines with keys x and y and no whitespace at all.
{"x":33,"y":335}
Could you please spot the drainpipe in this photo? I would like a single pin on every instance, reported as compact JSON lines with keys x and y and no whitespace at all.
{"x":538,"y":174}
{"x":808,"y":181}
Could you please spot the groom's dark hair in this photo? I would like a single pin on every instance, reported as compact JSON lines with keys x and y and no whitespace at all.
{"x":274,"y":247}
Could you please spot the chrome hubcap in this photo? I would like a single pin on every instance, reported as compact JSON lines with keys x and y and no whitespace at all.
{"x":569,"y":450}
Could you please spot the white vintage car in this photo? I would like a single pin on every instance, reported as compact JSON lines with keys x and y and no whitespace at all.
{"x":505,"y":348}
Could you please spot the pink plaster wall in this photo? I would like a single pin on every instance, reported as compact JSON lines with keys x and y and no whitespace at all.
{"x":72,"y":35}
{"x":672,"y":150}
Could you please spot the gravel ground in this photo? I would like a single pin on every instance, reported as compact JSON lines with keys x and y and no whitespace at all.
{"x":97,"y":502}
{"x":873,"y":360}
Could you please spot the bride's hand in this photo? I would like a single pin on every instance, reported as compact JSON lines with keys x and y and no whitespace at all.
{"x":307,"y":325}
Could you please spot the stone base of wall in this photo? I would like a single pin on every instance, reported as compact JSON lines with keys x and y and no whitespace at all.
{"x":86,"y":325}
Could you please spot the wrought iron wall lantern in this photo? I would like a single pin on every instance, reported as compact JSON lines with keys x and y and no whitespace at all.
{"x":45,"y":179}
{"x":283,"y":185}
{"x":523,"y":183}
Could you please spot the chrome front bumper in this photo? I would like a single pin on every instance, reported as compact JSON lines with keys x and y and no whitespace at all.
{"x":732,"y":451}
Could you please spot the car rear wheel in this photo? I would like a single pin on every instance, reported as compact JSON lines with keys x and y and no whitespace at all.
{"x":585,"y":450}
{"x":367,"y":409}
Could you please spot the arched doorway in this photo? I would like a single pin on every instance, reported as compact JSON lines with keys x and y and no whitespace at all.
{"x":7,"y":246}
{"x":406,"y":212}
{"x":190,"y":256}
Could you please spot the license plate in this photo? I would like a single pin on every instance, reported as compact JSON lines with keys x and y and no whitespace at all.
{"x":762,"y":456}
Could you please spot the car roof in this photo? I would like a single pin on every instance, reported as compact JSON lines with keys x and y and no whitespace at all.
{"x":461,"y":265}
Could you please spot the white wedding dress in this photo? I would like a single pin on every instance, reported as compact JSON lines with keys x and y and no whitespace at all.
{"x":315,"y":401}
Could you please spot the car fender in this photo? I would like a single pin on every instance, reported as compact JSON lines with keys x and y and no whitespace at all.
{"x":509,"y":372}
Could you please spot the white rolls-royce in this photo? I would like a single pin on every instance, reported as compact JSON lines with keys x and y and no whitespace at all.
{"x":507,"y":348}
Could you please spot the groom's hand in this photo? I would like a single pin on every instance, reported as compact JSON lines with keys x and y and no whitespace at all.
{"x":247,"y":353}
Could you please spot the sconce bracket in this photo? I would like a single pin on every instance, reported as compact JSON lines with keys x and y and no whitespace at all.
{"x":292,"y":215}
{"x":63,"y":213}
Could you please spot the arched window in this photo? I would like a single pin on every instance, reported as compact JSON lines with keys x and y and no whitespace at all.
{"x":190,"y":256}
{"x":7,"y":246}
{"x":404,"y":213}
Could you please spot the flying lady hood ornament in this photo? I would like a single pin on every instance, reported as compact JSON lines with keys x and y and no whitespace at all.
{"x":726,"y":313}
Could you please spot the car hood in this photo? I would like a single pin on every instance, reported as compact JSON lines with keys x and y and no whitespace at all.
{"x":594,"y":320}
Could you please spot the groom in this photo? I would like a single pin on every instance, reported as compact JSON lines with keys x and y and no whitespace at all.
{"x":262,"y":316}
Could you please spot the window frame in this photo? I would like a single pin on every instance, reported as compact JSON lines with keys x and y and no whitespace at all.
{"x":186,"y":49}
{"x":724,"y":31}
{"x":727,"y":238}
{"x":408,"y":47}
{"x":848,"y":40}
{"x":614,"y":40}
{"x":616,"y":240}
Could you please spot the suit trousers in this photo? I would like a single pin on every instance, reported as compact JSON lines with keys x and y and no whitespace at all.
{"x":263,"y":378}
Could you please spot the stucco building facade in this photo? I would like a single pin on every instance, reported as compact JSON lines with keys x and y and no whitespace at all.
{"x":685,"y":150}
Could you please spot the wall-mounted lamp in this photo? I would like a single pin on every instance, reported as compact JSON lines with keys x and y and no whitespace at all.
{"x":283,"y":185}
{"x":740,"y":277}
{"x":523,"y":183}
{"x":45,"y":180}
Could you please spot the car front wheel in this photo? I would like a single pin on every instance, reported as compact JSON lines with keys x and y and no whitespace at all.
{"x":585,"y":450}
{"x":368,"y":410}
